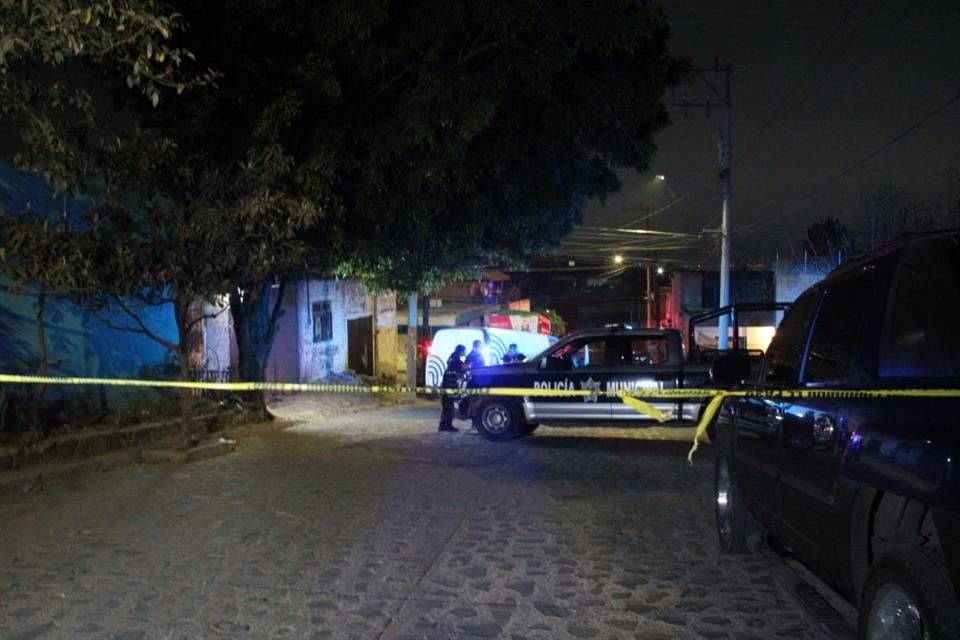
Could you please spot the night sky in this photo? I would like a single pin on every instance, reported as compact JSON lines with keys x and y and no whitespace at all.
{"x":818,"y":87}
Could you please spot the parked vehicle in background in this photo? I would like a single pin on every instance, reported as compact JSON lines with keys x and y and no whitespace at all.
{"x":495,"y":343}
{"x":750,"y":327}
{"x":863,"y":490}
{"x":604,"y":361}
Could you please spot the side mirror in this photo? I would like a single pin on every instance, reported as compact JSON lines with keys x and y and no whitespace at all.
{"x":730,"y":369}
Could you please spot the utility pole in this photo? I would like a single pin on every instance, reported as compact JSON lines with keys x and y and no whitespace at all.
{"x":412,"y":341}
{"x":649,"y":292}
{"x":725,"y":148}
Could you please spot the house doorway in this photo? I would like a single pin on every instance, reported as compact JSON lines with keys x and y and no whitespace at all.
{"x":360,"y":345}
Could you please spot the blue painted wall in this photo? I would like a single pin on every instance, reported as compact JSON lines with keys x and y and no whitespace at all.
{"x":78,"y":344}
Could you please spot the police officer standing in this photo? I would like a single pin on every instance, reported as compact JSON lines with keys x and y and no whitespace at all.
{"x":451,"y":379}
{"x":475,"y":357}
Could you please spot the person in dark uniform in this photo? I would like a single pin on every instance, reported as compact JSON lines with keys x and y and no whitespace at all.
{"x":475,"y":357}
{"x":451,"y":378}
{"x":513,"y":355}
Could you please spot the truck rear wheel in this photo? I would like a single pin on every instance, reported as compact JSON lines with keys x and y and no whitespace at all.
{"x":498,"y":419}
{"x":907,"y":596}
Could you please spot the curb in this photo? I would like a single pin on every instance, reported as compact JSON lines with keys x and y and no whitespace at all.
{"x":38,"y":478}
{"x":177,"y":456}
{"x":160,"y":447}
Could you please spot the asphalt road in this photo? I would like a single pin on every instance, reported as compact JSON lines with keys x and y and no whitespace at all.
{"x":373,"y":525}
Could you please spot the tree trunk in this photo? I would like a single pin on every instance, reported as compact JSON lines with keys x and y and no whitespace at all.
{"x":255,"y":325}
{"x":43,"y":368}
{"x":181,"y":306}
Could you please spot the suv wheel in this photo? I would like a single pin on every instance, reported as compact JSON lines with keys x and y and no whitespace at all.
{"x":498,"y":420}
{"x":734,"y":522}
{"x":906,"y":596}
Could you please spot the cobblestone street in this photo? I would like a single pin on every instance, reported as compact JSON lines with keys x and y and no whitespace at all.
{"x":373,"y":525}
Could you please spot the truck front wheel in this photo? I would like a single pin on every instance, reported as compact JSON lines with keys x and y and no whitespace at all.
{"x":734,"y":521}
{"x":498,"y":419}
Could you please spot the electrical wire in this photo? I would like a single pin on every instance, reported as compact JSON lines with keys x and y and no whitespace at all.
{"x":586,"y":75}
{"x":796,"y":85}
{"x":819,"y":188}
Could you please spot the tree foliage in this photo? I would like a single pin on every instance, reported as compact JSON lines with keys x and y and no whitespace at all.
{"x":829,"y":237}
{"x":57,"y":55}
{"x":482,"y":128}
{"x":890,"y":209}
{"x":402,"y":143}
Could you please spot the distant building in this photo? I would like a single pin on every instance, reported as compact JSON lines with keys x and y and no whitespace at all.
{"x":332,"y":326}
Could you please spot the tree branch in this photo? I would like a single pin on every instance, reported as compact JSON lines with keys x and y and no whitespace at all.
{"x":477,"y":51}
{"x":397,"y":77}
{"x":143,"y":328}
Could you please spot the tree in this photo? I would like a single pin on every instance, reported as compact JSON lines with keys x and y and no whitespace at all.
{"x":484,"y":128}
{"x":263,"y":107}
{"x":52,"y":51}
{"x":406,"y":143}
{"x":890,"y":209}
{"x":829,"y":237}
{"x":192,"y":208}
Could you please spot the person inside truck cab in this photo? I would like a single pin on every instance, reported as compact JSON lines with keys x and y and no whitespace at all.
{"x":649,"y":352}
{"x":513,"y":355}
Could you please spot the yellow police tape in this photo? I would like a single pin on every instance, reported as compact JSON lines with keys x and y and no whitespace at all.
{"x":632,"y":398}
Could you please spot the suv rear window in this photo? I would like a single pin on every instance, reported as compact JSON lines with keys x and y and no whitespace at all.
{"x":923,"y":313}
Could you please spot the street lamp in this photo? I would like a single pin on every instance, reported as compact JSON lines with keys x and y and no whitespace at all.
{"x":662,"y":178}
{"x":618,"y":259}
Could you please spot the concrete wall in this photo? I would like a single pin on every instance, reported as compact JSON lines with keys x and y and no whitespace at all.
{"x":219,"y":343}
{"x":387,"y":343}
{"x":320,"y":359}
{"x":283,"y":365}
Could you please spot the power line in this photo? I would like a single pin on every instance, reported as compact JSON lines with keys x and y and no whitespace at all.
{"x":891,"y":142}
{"x":596,"y":89}
{"x":800,"y":79}
{"x":819,"y":188}
{"x":898,"y":23}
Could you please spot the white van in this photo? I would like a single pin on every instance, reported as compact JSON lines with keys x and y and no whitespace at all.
{"x":495,"y":343}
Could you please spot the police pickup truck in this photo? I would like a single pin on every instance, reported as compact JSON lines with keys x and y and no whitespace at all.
{"x":601,"y":361}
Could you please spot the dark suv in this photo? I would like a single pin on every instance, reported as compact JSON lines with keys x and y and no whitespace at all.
{"x":864,"y":490}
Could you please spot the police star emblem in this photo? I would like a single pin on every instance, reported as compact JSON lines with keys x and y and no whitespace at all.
{"x":593,"y":386}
